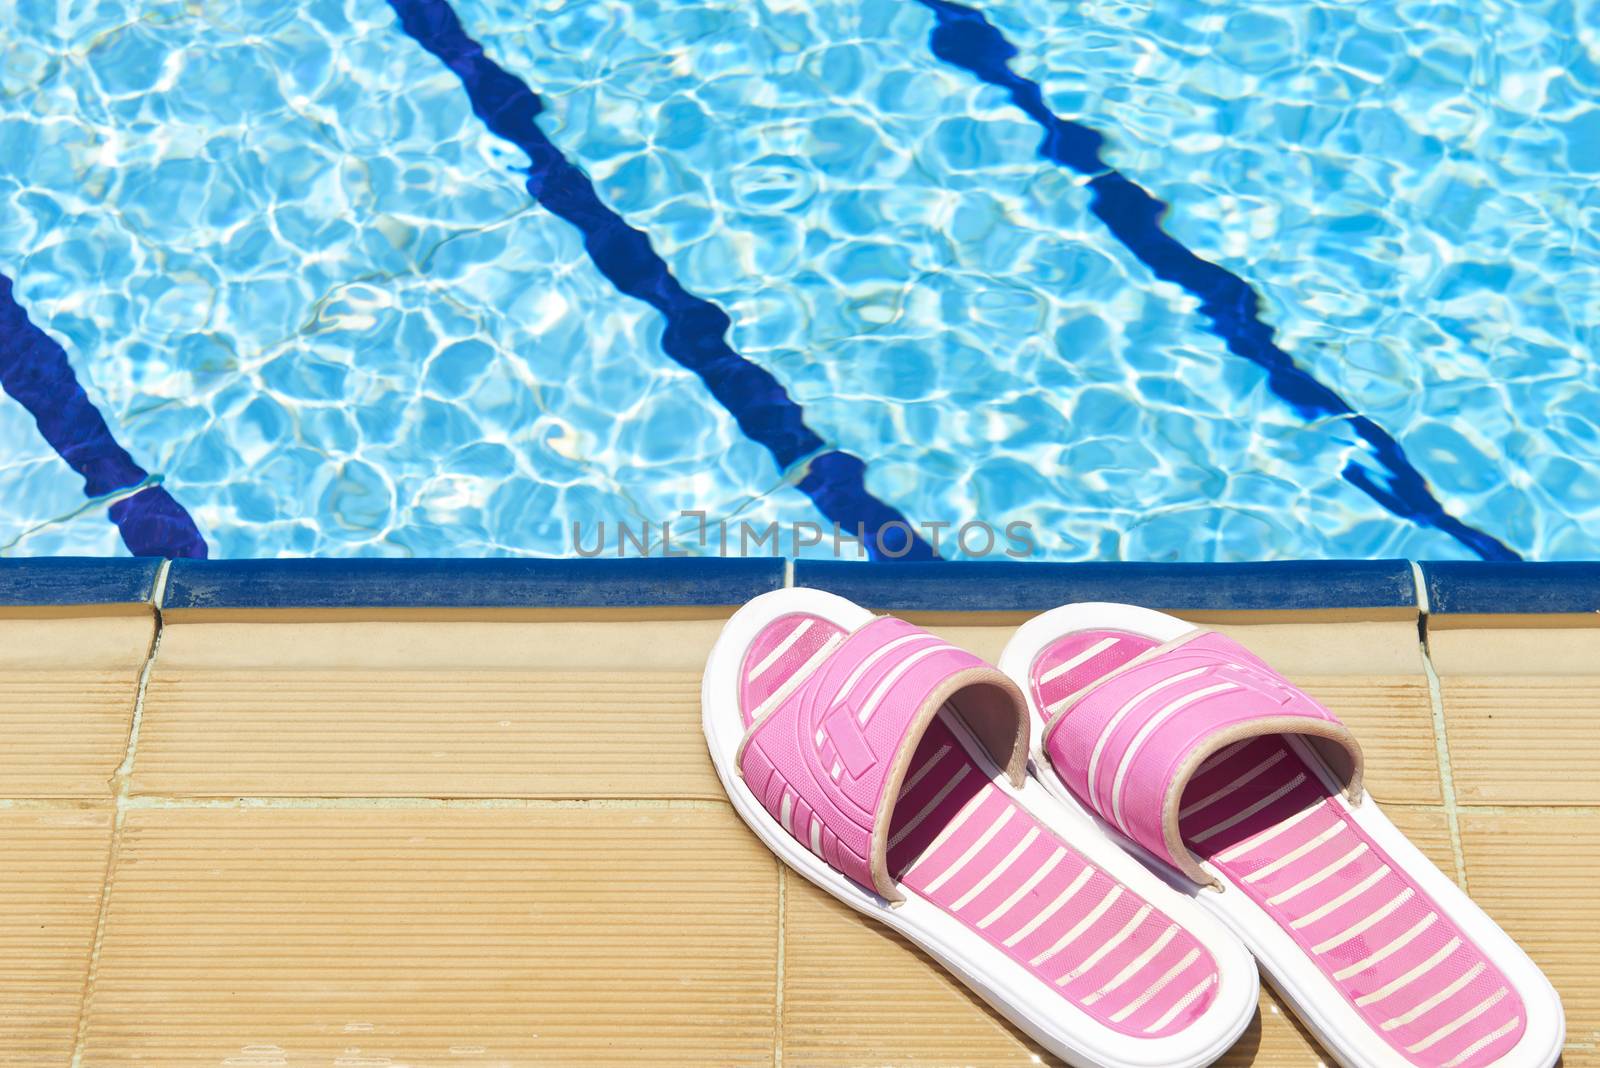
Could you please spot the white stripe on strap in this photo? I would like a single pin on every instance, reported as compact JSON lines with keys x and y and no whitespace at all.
{"x":1412,"y":976}
{"x":1221,"y":792}
{"x":1493,"y":1036}
{"x":1459,"y":1022}
{"x":1266,"y":871}
{"x":895,"y":675}
{"x":1245,"y":813}
{"x":1315,"y":880}
{"x":971,"y":851}
{"x":1080,"y":927}
{"x":1156,"y":987}
{"x":1363,"y":925}
{"x":1052,"y":908}
{"x":1086,"y":655}
{"x":1022,"y":891}
{"x":1152,"y":725}
{"x":782,"y":647}
{"x":1342,"y":900}
{"x":1221,"y":756}
{"x":802,"y":673}
{"x":1423,"y":1007}
{"x":1122,"y":713}
{"x":944,"y":792}
{"x":998,"y":870}
{"x":1183,"y":1003}
{"x":872,"y":658}
{"x":1261,"y":838}
{"x":927,"y":766}
{"x":1389,"y":950}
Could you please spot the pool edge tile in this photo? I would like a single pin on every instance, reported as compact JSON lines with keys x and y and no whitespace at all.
{"x":467,"y":583}
{"x":1029,"y":586}
{"x":77,"y":582}
{"x":1465,"y":588}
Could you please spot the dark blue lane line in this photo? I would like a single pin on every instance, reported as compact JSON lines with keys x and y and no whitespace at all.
{"x":696,"y":330}
{"x":35,"y":371}
{"x":964,"y":38}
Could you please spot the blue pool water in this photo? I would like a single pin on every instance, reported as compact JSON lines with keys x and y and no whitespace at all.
{"x":418,"y":278}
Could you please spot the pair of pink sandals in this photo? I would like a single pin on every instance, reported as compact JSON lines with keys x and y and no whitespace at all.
{"x":1098,"y":834}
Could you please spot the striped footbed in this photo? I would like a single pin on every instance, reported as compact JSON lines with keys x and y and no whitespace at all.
{"x":965,"y":845}
{"x":1269,"y":825}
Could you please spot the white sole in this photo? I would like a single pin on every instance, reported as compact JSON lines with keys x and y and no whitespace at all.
{"x":1318,"y":1003}
{"x":1028,"y":1002}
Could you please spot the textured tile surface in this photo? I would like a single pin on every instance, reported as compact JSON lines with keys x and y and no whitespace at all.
{"x":67,"y":689}
{"x":1520,"y":741}
{"x":52,"y":867}
{"x":424,"y":734}
{"x":1522,"y":713}
{"x":420,"y":710}
{"x":374,"y":936}
{"x":1536,"y":875}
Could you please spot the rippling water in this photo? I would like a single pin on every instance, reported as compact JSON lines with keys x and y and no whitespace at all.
{"x":307,"y":288}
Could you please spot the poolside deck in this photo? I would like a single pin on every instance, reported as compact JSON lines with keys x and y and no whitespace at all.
{"x":257,"y":830}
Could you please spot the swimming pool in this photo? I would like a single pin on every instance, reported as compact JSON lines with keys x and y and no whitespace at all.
{"x":443,"y":279}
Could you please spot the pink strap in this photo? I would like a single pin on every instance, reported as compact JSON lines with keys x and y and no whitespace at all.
{"x":1129,"y":743}
{"x":828,"y":761}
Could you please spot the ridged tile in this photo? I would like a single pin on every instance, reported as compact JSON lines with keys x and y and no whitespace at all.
{"x":437,"y":733}
{"x":52,"y":868}
{"x":1536,"y":875}
{"x":563,"y":935}
{"x":1524,"y":741}
{"x":67,"y":691}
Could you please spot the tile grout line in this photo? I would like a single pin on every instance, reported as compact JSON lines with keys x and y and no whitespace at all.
{"x":121,"y":780}
{"x":777,"y":1001}
{"x":1441,"y":743}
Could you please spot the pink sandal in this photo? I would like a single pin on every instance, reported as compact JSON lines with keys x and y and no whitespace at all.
{"x":888,"y":767}
{"x":1202,"y":760}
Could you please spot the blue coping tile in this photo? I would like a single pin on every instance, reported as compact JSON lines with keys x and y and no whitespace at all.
{"x":73,"y":580}
{"x":507,"y":583}
{"x":1471,"y":586}
{"x":1034,"y":587}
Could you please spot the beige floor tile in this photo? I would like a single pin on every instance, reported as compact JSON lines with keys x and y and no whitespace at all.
{"x":560,"y":935}
{"x":67,"y":702}
{"x":1520,"y":708}
{"x":1523,"y":741}
{"x":433,"y":733}
{"x":409,"y":709}
{"x":1536,"y":875}
{"x":52,"y":866}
